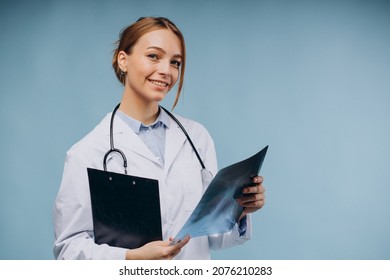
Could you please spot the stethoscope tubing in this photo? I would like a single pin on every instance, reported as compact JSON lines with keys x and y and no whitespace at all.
{"x":115,"y":150}
{"x":112,"y":148}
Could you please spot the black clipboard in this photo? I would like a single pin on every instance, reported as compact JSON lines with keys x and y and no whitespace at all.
{"x":125,"y":209}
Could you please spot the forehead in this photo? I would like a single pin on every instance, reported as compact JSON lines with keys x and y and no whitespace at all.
{"x":161,"y":38}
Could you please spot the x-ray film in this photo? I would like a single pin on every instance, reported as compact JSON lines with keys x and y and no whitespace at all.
{"x":218,"y":211}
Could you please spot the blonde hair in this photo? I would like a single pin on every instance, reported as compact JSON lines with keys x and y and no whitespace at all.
{"x":129,"y":36}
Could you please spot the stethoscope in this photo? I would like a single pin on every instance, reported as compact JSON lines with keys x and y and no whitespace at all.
{"x":206,"y":175}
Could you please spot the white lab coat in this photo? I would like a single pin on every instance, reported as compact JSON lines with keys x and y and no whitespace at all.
{"x":180,"y":186}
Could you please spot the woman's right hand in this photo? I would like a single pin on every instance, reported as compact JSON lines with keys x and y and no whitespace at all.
{"x":157,"y":250}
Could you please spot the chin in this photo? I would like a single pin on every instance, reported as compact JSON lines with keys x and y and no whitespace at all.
{"x":158,"y":97}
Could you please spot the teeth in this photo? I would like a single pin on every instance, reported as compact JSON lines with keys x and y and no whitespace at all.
{"x":157,"y":83}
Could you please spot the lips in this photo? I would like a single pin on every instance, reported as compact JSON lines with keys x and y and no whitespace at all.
{"x":159,"y":83}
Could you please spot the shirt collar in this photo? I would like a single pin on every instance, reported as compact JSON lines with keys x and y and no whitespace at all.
{"x":164,"y":118}
{"x":135,"y":125}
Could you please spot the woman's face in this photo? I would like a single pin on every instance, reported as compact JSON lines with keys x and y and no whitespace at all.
{"x":152,"y":66}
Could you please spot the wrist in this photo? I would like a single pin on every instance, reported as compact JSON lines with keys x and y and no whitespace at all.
{"x":132,"y":254}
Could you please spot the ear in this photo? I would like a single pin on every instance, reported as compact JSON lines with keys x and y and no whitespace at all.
{"x":122,"y":61}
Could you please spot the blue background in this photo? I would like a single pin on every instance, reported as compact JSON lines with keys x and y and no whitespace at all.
{"x":309,"y":78}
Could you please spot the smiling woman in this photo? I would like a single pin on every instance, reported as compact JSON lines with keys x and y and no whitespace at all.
{"x":130,"y":35}
{"x":150,"y":71}
{"x":149,"y":60}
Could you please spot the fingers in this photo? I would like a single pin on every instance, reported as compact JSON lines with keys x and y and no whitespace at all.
{"x":254,"y":197}
{"x":175,"y":249}
{"x":258,"y":179}
{"x":257,"y":188}
{"x":251,"y":204}
{"x":182,"y":242}
{"x":253,"y":200}
{"x":157,"y":250}
{"x":253,"y":190}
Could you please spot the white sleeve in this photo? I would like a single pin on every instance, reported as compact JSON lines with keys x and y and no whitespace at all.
{"x":231,"y":238}
{"x":73,"y":224}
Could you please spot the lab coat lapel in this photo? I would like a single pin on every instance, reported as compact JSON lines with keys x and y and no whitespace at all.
{"x":174,"y":141}
{"x":126,"y":139}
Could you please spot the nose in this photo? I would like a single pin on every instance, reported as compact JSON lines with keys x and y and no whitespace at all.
{"x":165,"y":68}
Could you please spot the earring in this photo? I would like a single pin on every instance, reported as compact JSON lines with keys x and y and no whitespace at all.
{"x":123,"y":73}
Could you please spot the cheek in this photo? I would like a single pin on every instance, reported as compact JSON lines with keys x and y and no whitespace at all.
{"x":140,"y":67}
{"x":175,"y":77}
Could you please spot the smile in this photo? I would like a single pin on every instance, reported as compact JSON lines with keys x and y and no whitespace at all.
{"x":159,"y":83}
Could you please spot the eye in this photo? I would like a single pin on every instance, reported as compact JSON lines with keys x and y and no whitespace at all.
{"x":153,"y":56}
{"x":176,"y":63}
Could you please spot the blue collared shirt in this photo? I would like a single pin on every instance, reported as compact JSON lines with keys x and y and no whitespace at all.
{"x":152,"y":135}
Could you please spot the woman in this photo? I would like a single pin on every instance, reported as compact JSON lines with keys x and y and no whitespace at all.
{"x":149,"y":60}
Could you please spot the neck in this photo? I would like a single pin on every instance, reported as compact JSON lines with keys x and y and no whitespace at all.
{"x":145,"y":112}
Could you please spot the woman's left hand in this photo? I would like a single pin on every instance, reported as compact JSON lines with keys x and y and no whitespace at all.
{"x":253,"y":197}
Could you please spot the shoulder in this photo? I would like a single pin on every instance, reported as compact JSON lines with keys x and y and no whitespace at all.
{"x":202,"y":141}
{"x":95,"y":142}
{"x":193,"y":128}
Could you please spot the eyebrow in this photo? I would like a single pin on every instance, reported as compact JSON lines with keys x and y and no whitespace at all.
{"x":163,"y":51}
